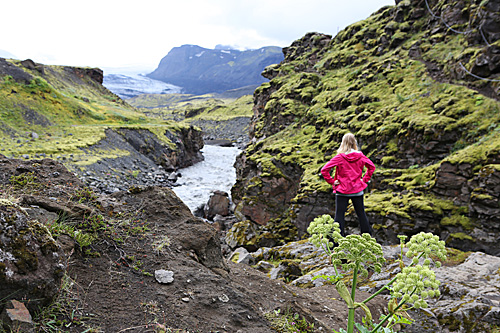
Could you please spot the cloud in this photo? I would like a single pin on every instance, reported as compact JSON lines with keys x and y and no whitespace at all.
{"x":114,"y":33}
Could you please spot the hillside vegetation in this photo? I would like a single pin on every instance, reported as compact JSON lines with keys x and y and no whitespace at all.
{"x":59,"y":112}
{"x":417,"y":84}
{"x":220,"y":116}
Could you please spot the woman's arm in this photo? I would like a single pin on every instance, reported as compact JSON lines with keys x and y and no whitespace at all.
{"x":370,"y":170}
{"x":325,"y":171}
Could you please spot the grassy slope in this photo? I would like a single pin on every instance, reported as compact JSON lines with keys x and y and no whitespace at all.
{"x":384,"y":98}
{"x":67,"y":110}
{"x":193,"y":107}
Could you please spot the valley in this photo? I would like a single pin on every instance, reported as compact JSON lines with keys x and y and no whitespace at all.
{"x":93,"y":237}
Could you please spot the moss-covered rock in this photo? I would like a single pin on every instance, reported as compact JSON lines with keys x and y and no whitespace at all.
{"x":404,"y":84}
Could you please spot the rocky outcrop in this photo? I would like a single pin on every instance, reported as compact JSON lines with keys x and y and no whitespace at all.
{"x":31,"y":262}
{"x":186,"y":151}
{"x":468,"y":301}
{"x":418,"y":108}
{"x":149,"y":160}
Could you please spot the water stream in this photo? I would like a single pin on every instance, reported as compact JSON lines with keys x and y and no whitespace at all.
{"x":216,"y":172}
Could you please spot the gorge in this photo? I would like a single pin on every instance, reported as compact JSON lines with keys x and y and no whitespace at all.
{"x":89,"y":219}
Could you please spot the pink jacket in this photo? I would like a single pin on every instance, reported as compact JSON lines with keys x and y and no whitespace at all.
{"x":349,"y":170}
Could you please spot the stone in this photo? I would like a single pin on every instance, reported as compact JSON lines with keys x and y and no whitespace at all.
{"x":164,"y":276}
{"x":172,"y":177}
{"x":264,"y":266}
{"x":242,"y":256}
{"x":242,"y":234}
{"x":218,"y":204}
{"x":287,"y":270}
{"x":17,"y":318}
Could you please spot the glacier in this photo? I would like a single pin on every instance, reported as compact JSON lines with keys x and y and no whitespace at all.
{"x":131,"y":85}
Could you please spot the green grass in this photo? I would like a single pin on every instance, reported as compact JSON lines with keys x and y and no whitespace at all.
{"x":63,"y":112}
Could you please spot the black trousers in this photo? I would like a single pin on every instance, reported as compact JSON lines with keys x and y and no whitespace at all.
{"x":341,"y":203}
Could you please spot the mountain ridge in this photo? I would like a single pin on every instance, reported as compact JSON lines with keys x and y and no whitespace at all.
{"x":200,"y":70}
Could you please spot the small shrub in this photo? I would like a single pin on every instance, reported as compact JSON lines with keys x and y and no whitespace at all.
{"x":26,"y":180}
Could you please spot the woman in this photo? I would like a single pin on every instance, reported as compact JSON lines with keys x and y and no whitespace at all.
{"x":348,"y":182}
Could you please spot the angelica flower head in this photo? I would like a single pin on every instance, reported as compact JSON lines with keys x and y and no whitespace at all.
{"x":425,"y":244}
{"x":362,"y":250}
{"x":323,"y":229}
{"x":416,"y":284}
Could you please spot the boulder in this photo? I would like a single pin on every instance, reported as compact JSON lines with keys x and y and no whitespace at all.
{"x":218,"y":204}
{"x":242,"y":256}
{"x":31,"y":262}
{"x":250,"y":236}
{"x":287,"y":270}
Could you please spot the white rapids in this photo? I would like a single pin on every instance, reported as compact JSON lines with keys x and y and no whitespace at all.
{"x":216,"y":172}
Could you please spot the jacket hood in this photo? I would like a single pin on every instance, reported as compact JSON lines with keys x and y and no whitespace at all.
{"x":352,"y":157}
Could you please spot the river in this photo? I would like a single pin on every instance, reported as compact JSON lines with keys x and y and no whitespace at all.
{"x":216,"y":172}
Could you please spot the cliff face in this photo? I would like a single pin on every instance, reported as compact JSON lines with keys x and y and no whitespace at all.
{"x":199,"y":70}
{"x":417,"y":83}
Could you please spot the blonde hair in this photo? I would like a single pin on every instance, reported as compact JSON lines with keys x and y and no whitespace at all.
{"x":348,"y":143}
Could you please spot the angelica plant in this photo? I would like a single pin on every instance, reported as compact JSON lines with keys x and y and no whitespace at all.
{"x":323,"y":229}
{"x":416,"y":283}
{"x":359,"y":253}
{"x":354,"y":252}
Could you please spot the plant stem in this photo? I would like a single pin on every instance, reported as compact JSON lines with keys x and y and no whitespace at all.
{"x":350,"y":320}
{"x":395,"y":310}
{"x":354,"y":280}
{"x":380,"y":290}
{"x":352,"y":310}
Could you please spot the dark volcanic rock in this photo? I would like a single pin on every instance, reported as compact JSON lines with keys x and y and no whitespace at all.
{"x":31,"y":262}
{"x":218,"y":204}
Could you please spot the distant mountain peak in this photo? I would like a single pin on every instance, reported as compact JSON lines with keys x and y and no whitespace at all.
{"x":226,"y":47}
{"x":199,"y":70}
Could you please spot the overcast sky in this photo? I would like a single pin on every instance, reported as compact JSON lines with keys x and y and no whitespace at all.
{"x":123,"y":33}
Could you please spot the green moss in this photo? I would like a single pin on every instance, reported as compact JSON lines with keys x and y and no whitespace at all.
{"x":387,"y":160}
{"x":235,"y":257}
{"x":462,"y":236}
{"x":457,"y":220}
{"x":455,"y":257}
{"x":26,"y":260}
{"x":190,"y":108}
{"x":407,"y":205}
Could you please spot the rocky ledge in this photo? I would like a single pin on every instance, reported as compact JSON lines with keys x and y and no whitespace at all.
{"x":469,"y":283}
